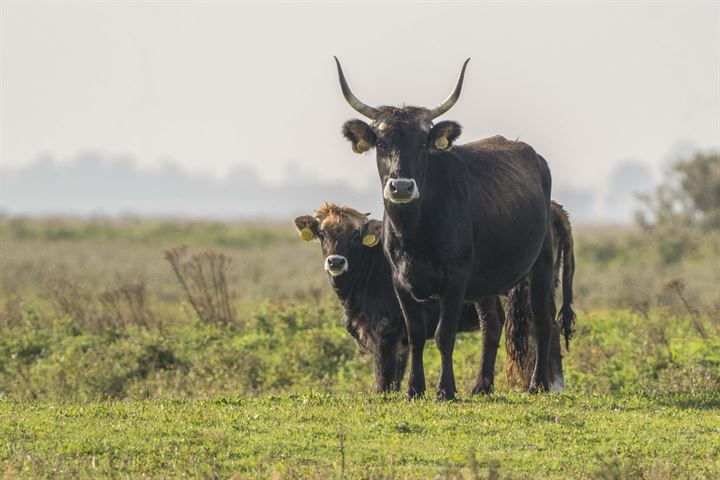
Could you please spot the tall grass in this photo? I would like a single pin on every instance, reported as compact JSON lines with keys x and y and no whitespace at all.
{"x":89,"y":314}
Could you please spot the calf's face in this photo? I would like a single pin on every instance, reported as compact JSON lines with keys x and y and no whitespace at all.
{"x":342,"y":239}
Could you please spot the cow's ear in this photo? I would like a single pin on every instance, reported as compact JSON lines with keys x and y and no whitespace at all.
{"x":360,"y":135}
{"x":372,"y":233}
{"x":443,"y":134}
{"x":307,"y":227}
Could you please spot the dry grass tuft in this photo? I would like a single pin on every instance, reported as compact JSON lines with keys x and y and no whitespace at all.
{"x":203,"y":279}
{"x":127,"y":305}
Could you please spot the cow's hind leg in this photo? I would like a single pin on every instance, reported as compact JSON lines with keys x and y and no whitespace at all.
{"x":414,"y":314}
{"x":402,"y":359}
{"x":557,"y":378}
{"x":492,"y":317}
{"x":541,"y":291}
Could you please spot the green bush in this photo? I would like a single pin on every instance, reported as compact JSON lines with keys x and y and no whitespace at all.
{"x":295,"y":347}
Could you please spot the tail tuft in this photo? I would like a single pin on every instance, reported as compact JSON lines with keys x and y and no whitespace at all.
{"x":566,"y":318}
{"x":519,"y":320}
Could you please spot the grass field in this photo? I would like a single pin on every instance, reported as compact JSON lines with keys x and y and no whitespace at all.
{"x":321,"y":435}
{"x":107,"y":370}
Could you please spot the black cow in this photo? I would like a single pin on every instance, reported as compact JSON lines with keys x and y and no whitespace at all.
{"x":362,"y":279}
{"x":461,"y":223}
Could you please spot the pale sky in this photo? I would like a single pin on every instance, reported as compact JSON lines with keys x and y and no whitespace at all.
{"x":214,"y":85}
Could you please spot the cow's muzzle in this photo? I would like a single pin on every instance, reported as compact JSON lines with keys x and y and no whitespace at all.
{"x":336,"y":265}
{"x":401,"y":190}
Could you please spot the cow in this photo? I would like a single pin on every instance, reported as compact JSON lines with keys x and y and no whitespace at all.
{"x":361,"y":278}
{"x":461,"y":223}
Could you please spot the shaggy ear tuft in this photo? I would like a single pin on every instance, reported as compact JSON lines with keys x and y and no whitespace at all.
{"x":360,"y":135}
{"x":444,"y":134}
{"x":373,"y":233}
{"x":307,"y":227}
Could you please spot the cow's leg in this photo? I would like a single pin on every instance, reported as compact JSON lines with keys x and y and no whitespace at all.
{"x":385,"y":356}
{"x":492,"y":317}
{"x":451,"y":303}
{"x":402,"y":358}
{"x":414,"y":314}
{"x":541,"y":291}
{"x":557,"y":378}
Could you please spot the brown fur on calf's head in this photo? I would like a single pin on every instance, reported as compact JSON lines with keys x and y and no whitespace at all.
{"x":330,"y":216}
{"x":334,"y":222}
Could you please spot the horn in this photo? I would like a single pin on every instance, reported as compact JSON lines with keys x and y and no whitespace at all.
{"x":364,"y":109}
{"x":450,"y":101}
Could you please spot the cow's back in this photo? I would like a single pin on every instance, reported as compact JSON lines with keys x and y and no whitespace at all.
{"x":508,"y":196}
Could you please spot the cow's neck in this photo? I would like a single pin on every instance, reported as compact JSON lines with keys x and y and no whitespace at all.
{"x":366,"y":284}
{"x":404,"y":220}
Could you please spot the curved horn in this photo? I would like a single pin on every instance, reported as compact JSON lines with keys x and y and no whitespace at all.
{"x":450,"y":101}
{"x":366,"y":110}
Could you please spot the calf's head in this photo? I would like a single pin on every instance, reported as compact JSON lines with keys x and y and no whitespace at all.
{"x":343,"y":233}
{"x":403,"y":137}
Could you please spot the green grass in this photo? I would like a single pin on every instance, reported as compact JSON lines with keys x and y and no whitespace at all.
{"x":293,"y":348}
{"x":195,"y":400}
{"x":87,"y":391}
{"x":366,"y":436}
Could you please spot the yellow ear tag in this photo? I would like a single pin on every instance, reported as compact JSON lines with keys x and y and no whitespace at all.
{"x":306,"y":234}
{"x":361,"y":146}
{"x":441,"y":143}
{"x":370,"y":240}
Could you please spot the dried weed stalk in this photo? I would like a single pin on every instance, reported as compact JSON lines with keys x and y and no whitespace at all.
{"x":202,"y":277}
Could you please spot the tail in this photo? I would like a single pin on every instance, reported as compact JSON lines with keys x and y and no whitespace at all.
{"x":566,"y":257}
{"x":519,"y":319}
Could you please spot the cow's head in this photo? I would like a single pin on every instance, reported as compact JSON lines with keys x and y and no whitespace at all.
{"x":343,"y":233}
{"x":402,"y":138}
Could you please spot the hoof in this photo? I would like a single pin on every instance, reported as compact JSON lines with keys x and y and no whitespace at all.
{"x":535,"y":389}
{"x":483,"y":389}
{"x":443,"y":396}
{"x":414,"y":394}
{"x":385,"y":388}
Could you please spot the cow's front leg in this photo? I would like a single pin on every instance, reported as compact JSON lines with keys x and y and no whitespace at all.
{"x":414,"y":315}
{"x":385,"y":355}
{"x":451,"y":303}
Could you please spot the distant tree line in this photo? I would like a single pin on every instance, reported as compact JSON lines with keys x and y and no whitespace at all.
{"x":689,"y":196}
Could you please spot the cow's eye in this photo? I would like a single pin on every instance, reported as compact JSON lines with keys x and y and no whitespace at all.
{"x":356,"y":235}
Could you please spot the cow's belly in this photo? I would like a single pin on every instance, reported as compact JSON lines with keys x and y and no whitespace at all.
{"x":500,"y":268}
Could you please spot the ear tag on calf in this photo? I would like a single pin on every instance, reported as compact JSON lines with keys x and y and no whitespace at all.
{"x":361,"y":146}
{"x":370,"y":240}
{"x":441,"y":143}
{"x":306,"y":234}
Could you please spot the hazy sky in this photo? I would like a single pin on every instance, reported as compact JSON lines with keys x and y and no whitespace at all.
{"x":215,"y":84}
